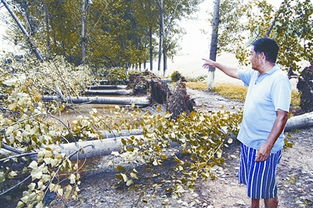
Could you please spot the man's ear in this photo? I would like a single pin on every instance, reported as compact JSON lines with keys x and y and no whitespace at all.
{"x":262,"y":56}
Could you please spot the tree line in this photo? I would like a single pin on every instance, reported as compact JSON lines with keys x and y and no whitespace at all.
{"x":104,"y":33}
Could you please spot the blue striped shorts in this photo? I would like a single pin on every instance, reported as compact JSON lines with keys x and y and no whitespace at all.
{"x":258,"y":176}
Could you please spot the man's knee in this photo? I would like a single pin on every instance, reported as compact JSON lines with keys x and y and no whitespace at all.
{"x":271,"y":203}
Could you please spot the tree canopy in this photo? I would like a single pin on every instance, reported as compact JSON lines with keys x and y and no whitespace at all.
{"x":116,"y":33}
{"x":290,"y":25}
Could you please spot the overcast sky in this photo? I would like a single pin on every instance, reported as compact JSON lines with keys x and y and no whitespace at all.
{"x":194,"y":44}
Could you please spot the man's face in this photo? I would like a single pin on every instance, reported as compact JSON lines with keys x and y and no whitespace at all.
{"x":254,"y":59}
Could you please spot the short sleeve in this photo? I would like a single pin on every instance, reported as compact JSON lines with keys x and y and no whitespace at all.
{"x":245,"y":76}
{"x":281,"y":94}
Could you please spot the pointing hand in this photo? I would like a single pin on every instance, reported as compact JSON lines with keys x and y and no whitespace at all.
{"x":208,"y":63}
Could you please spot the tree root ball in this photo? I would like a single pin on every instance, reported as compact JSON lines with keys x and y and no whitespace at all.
{"x":180,"y":101}
{"x":305,"y":87}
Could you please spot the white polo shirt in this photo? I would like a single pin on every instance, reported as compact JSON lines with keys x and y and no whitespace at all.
{"x":266,"y":94}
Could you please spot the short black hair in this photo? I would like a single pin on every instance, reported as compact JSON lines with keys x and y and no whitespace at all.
{"x":268,"y":46}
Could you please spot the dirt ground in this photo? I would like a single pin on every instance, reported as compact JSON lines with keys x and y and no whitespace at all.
{"x":295,"y":176}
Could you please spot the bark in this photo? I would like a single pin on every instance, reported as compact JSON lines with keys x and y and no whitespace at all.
{"x":164,"y":60}
{"x":107,"y":87}
{"x":140,"y":101}
{"x":89,"y":149}
{"x":302,"y":121}
{"x":214,"y":40}
{"x":83,"y":31}
{"x":161,"y":36}
{"x":30,"y":42}
{"x":109,"y":92}
{"x":48,"y":43}
{"x":122,"y":133}
{"x":151,"y":48}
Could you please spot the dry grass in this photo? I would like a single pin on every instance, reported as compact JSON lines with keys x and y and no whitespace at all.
{"x":295,"y":98}
{"x":197,"y":85}
{"x":235,"y":92}
{"x":231,"y":91}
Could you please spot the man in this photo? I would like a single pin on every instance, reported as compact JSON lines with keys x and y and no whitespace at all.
{"x":264,"y":118}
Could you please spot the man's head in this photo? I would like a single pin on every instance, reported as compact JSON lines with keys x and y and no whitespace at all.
{"x":263,"y":50}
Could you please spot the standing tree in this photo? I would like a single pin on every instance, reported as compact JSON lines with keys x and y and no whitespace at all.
{"x":161,"y":31}
{"x":290,"y":25}
{"x":21,"y":27}
{"x":214,"y":41}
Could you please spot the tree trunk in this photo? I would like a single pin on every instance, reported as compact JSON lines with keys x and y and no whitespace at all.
{"x":105,"y":87}
{"x":161,"y":10}
{"x":83,"y":31}
{"x":214,"y":40}
{"x":89,"y":149}
{"x":151,"y":48}
{"x":164,"y":60}
{"x":140,"y":101}
{"x":302,"y":121}
{"x":48,"y":44}
{"x":32,"y":45}
{"x":108,"y":92}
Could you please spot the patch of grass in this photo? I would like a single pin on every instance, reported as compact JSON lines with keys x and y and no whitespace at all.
{"x":295,"y":98}
{"x":197,"y":85}
{"x":231,"y":91}
{"x":236,"y":92}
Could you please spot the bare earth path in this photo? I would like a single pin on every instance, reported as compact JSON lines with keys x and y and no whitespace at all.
{"x":295,"y":181}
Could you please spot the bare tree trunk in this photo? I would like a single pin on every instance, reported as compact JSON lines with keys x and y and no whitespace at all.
{"x":161,"y":9}
{"x":302,"y":121}
{"x":214,"y":40}
{"x":104,"y":87}
{"x":48,"y":44}
{"x":151,"y":48}
{"x":32,"y":45}
{"x":91,"y":149}
{"x":141,"y":101}
{"x":109,"y":92}
{"x":83,"y":32}
{"x":164,"y":60}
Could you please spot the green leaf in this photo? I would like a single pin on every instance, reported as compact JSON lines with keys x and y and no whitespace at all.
{"x":129,"y":182}
{"x":120,"y":168}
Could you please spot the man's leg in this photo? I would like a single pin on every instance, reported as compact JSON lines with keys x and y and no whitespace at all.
{"x":255,"y":203}
{"x":271,"y":203}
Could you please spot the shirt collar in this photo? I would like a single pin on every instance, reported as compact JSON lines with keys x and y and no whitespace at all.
{"x":272,"y":70}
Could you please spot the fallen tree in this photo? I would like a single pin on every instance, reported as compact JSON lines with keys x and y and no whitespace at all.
{"x":102,"y":147}
{"x":104,"y":87}
{"x":108,"y":92}
{"x":140,"y":101}
{"x":107,"y":146}
{"x":301,"y":121}
{"x":89,"y":149}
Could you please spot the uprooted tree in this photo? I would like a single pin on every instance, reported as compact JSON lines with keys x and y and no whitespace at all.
{"x":305,"y":86}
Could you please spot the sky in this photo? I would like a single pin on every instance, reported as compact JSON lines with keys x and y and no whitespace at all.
{"x":194,"y":44}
